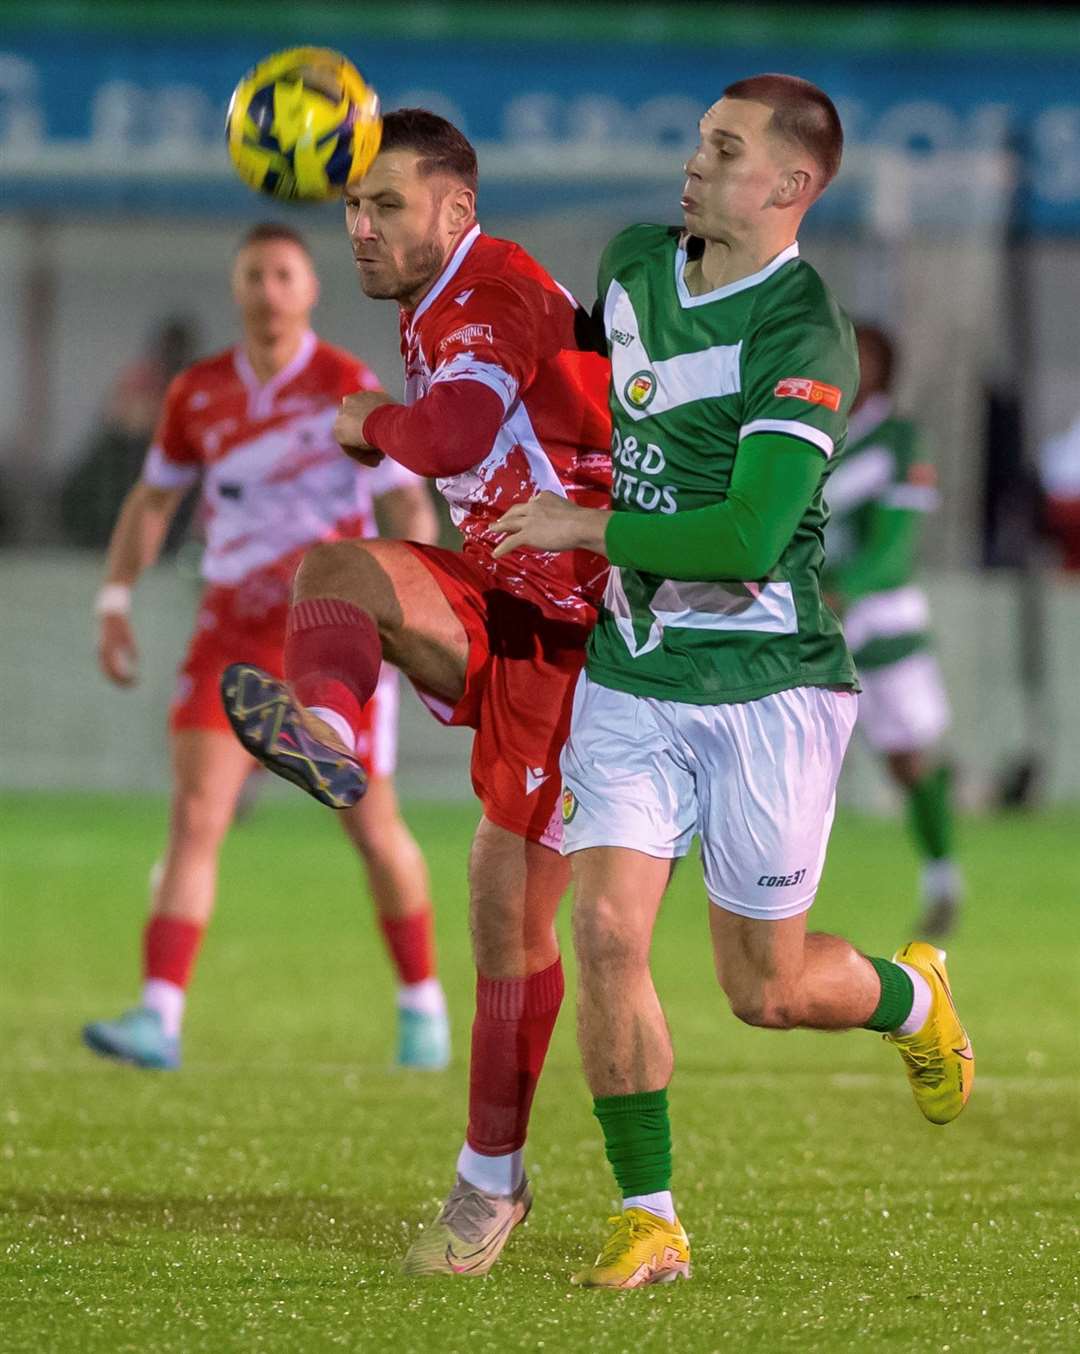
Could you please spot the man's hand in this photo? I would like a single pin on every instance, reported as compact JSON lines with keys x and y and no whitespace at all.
{"x":117,"y":655}
{"x":548,"y":522}
{"x":349,"y":425}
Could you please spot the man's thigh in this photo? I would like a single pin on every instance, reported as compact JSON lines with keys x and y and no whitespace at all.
{"x":625,"y":783}
{"x":766,"y":773}
{"x":414,"y":595}
{"x":904,"y":706}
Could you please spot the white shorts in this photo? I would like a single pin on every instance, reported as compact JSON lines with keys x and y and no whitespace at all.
{"x":903,"y":707}
{"x":756,"y":781}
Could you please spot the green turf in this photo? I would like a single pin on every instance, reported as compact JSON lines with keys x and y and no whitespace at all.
{"x":260,"y":1198}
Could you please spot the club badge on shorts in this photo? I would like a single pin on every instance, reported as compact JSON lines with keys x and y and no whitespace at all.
{"x":569,"y":805}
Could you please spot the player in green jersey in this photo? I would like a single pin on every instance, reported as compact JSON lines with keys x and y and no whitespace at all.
{"x":878,"y":495}
{"x":719,"y":695}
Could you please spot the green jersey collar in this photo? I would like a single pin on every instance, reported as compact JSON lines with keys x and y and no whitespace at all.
{"x":731,"y":288}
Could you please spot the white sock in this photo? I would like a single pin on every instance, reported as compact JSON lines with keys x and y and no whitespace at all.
{"x":425,"y":997}
{"x":338,"y":723}
{"x":494,"y":1175}
{"x":920,"y":1011}
{"x":168,"y":1001}
{"x":661,"y":1203}
{"x":941,"y":879}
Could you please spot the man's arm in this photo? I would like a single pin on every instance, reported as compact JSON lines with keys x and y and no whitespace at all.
{"x":409,"y":514}
{"x":886,"y":558}
{"x":773,"y":482}
{"x":134,"y":545}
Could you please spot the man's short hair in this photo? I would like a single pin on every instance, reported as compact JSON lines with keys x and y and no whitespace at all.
{"x":441,"y":147}
{"x":883,"y":349}
{"x":273,"y":230}
{"x":802,"y":113}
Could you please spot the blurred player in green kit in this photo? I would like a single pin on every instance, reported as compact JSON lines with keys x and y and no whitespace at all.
{"x":878,"y":495}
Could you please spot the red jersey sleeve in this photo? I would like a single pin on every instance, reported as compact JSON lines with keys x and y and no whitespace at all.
{"x":172,"y":461}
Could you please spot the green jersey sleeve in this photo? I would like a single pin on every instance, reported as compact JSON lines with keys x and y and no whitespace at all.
{"x":799,"y":377}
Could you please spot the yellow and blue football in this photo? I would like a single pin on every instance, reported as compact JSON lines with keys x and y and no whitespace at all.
{"x":302,"y":124}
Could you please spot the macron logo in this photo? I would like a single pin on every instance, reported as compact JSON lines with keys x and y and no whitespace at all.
{"x":462,"y":297}
{"x":534,"y":778}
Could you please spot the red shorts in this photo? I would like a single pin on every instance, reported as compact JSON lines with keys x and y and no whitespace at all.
{"x":519,"y":687}
{"x":229,"y":631}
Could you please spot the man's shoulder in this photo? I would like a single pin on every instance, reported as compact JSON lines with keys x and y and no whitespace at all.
{"x":637,"y":243}
{"x":204,"y":380}
{"x":798,"y":291}
{"x":336,"y":364}
{"x":503,"y":266}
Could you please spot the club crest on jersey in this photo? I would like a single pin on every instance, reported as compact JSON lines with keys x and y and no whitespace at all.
{"x":569,"y":805}
{"x":468,"y":333}
{"x":640,"y":389}
{"x":813,"y":392}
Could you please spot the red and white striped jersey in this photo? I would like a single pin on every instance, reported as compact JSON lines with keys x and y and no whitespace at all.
{"x":274,"y":481}
{"x":495,"y":316}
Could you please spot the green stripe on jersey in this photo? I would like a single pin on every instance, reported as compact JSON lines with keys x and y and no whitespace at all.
{"x":885,"y":650}
{"x":692,"y":376}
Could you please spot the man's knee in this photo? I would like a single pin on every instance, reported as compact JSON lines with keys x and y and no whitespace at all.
{"x":200,"y":818}
{"x":769,"y":1005}
{"x":603,"y":939}
{"x":332,"y":568}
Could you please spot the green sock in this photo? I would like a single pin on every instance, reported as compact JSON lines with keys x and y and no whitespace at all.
{"x":897,"y":996}
{"x":637,"y":1139}
{"x":929,"y":803}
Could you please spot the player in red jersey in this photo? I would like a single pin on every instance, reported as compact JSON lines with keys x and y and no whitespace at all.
{"x":254,"y":424}
{"x":500,"y":403}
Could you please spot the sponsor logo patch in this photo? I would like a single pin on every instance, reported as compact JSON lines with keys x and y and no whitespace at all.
{"x":569,"y":805}
{"x":468,"y":333}
{"x":640,"y":389}
{"x":781,"y":881}
{"x":813,"y":392}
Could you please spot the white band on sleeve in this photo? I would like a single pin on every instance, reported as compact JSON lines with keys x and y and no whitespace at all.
{"x":113,"y":599}
{"x":793,"y":428}
{"x":161,"y":473}
{"x":465,"y":367}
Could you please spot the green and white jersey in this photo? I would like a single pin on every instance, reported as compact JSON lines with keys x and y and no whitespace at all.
{"x":878,"y":494}
{"x":691,"y":377}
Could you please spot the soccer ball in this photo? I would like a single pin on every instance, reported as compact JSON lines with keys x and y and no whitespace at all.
{"x":302,"y":124}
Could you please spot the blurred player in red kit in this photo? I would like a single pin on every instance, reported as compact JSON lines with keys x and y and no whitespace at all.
{"x":502,"y":401}
{"x":254,"y":424}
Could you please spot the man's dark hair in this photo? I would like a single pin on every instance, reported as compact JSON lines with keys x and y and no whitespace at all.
{"x":441,"y":147}
{"x":883,"y":350}
{"x":273,"y":230}
{"x":802,"y":113}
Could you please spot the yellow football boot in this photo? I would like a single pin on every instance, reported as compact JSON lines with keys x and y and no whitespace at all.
{"x":642,"y":1249}
{"x":939,"y":1058}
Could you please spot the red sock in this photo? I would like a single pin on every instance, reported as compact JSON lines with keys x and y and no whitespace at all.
{"x":510,"y":1037}
{"x":411,"y":942}
{"x":332,"y":656}
{"x":169,"y":949}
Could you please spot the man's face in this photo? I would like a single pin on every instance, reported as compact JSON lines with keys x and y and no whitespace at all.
{"x":275,"y":287}
{"x":737,"y":172}
{"x":402,"y":225}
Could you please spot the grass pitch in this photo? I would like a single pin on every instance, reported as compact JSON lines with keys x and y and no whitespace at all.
{"x":261,"y":1197}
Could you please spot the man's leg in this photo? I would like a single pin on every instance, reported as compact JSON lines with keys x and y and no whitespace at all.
{"x":515,"y":889}
{"x":397,"y":877}
{"x":208,"y":770}
{"x":628,"y":1060}
{"x":355,"y":604}
{"x":927,"y":787}
{"x":904,"y":711}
